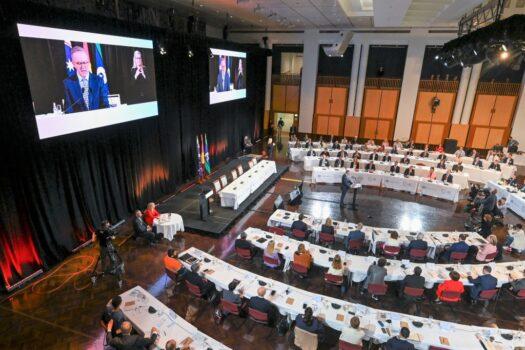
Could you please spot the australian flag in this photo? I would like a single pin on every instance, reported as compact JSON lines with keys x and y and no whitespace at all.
{"x":70,"y":70}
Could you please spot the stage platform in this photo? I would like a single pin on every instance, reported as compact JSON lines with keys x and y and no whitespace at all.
{"x":186,"y":203}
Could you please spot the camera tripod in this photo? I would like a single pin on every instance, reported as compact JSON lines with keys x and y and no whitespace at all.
{"x":116,"y":267}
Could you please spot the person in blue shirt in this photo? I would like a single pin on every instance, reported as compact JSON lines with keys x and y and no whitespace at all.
{"x":307,"y":322}
{"x":400,"y":342}
{"x":356,"y":234}
{"x":483,"y":282}
{"x":459,"y":247}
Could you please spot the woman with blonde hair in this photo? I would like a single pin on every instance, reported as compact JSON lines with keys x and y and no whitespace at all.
{"x":336,"y":268}
{"x":328,"y":226}
{"x":487,"y":249}
{"x":271,"y":253}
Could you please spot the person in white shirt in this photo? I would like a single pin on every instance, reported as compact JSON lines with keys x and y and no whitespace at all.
{"x":393,"y":240}
{"x":460,"y":152}
{"x":516,"y":238}
{"x":353,"y":335}
{"x":336,"y":268}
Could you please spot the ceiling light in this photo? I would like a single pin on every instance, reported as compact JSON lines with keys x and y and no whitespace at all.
{"x":504,"y":48}
{"x":436,"y":57}
{"x":504,"y":55}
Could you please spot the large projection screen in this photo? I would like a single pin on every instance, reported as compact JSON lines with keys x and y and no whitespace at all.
{"x":81,"y":81}
{"x":227,"y":75}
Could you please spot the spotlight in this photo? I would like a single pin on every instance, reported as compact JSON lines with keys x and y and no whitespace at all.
{"x":162,"y":51}
{"x":475,"y":52}
{"x":504,"y":48}
{"x":504,"y":55}
{"x":436,"y":57}
{"x":190,"y":52}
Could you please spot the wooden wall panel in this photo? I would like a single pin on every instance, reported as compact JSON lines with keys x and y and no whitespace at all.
{"x":388,"y":108}
{"x":446,"y":107}
{"x":422,"y":132}
{"x":422,"y":112}
{"x":322,"y":125}
{"x":352,"y":126}
{"x":482,"y":109}
{"x":279,"y":98}
{"x":372,"y":101}
{"x":479,"y":137}
{"x":333,"y":125}
{"x":383,"y":129}
{"x":339,"y":96}
{"x":428,"y":127}
{"x":437,"y":132}
{"x":369,"y":128}
{"x":459,"y":132}
{"x":495,"y":137}
{"x":504,"y":109}
{"x":324,"y":95}
{"x":292,"y":98}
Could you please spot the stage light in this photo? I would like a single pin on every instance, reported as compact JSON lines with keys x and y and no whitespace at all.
{"x":461,"y":62}
{"x":504,"y":55}
{"x":475,"y":52}
{"x":504,"y":48}
{"x":436,"y":57}
{"x":162,"y":51}
{"x":190,"y":52}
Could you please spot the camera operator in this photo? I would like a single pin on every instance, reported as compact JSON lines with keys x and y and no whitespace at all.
{"x":104,"y":236}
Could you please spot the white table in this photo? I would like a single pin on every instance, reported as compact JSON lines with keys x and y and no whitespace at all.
{"x":135,"y":304}
{"x":515,"y":198}
{"x":169,"y":224}
{"x":290,"y":300}
{"x":238,"y":190}
{"x":357,"y":265}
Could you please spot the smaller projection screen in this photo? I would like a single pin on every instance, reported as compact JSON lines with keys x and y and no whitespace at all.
{"x":81,"y":81}
{"x":227,"y":75}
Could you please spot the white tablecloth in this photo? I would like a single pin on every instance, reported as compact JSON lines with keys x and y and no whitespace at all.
{"x":397,"y":270}
{"x":436,"y":240}
{"x":397,"y":182}
{"x":238,"y":190}
{"x":515,"y":198}
{"x":169,"y":224}
{"x":290,"y":300}
{"x":135,"y":304}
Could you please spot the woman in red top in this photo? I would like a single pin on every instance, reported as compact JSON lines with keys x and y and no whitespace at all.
{"x":440,"y":149}
{"x":452,"y":285}
{"x":150,"y":214}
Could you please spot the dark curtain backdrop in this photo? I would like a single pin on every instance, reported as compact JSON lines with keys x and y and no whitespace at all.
{"x":54,"y":192}
{"x":391,"y":58}
{"x":432,"y":67}
{"x":336,"y":66}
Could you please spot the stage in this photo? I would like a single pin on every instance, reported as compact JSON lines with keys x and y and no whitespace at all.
{"x":186,"y":203}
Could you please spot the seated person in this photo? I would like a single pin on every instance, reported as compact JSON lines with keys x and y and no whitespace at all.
{"x":431,"y":174}
{"x":339,"y":162}
{"x":299,"y":224}
{"x":150,"y":214}
{"x":486,"y":225}
{"x":474,"y":153}
{"x":405,"y":160}
{"x":141,"y":229}
{"x":356,"y":234}
{"x":242,"y":242}
{"x":385,"y":144}
{"x":370,"y":143}
{"x":260,"y":303}
{"x":348,"y":146}
{"x":458,"y":247}
{"x":206,"y":287}
{"x":517,"y":284}
{"x":272,"y":253}
{"x":126,"y":340}
{"x":397,"y":146}
{"x":342,"y":154}
{"x":393,"y":240}
{"x":451,"y":285}
{"x":307,"y":322}
{"x":512,"y":181}
{"x":410,"y":171}
{"x":325,"y":153}
{"x":508,"y":159}
{"x":328,"y":227}
{"x":357,"y":155}
{"x":495,"y":166}
{"x":442,"y":164}
{"x":387,"y":157}
{"x":418,"y":243}
{"x":230,"y":295}
{"x":336,"y":268}
{"x":425,"y":153}
{"x":354,"y":164}
{"x":172,"y":263}
{"x":440,"y":149}
{"x":458,"y":167}
{"x":395,"y":168}
{"x":336,"y":145}
{"x":353,"y":334}
{"x":501,"y":208}
{"x":247,"y":144}
{"x":447,"y":177}
{"x":410,"y":152}
{"x":478,"y":162}
{"x":484,"y":282}
{"x":302,"y":257}
{"x":460,"y":152}
{"x":370,"y":166}
{"x":113,"y":312}
{"x":442,"y":156}
{"x":324,"y":161}
{"x":487,"y":249}
{"x":400,"y":342}
{"x":311,"y":152}
{"x":373,"y":156}
{"x":308,"y":143}
{"x":516,"y":238}
{"x":413,"y":281}
{"x":376,"y":273}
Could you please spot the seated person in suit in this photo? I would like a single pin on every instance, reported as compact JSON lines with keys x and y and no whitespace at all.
{"x":459,"y":247}
{"x":442,"y":164}
{"x":308,"y":143}
{"x":230,"y":295}
{"x":328,"y":226}
{"x":410,"y":152}
{"x":243,"y":243}
{"x":324,"y":161}
{"x":126,"y":340}
{"x":512,"y":180}
{"x":172,"y":263}
{"x":451,"y":285}
{"x":141,"y":229}
{"x":357,"y":155}
{"x":353,"y":334}
{"x":442,"y":156}
{"x":354,"y":164}
{"x":405,"y":160}
{"x":400,"y":342}
{"x":373,"y":156}
{"x":300,"y":224}
{"x":348,"y":146}
{"x":477,"y":162}
{"x":440,"y":149}
{"x":418,"y":243}
{"x":206,"y":287}
{"x":458,"y":167}
{"x":376,"y":273}
{"x":336,"y":145}
{"x":410,"y":171}
{"x":342,"y":153}
{"x":340,"y":162}
{"x":447,"y":177}
{"x":387,"y":157}
{"x":431,"y":174}
{"x":311,"y":152}
{"x":113,"y":312}
{"x":302,"y":257}
{"x":370,"y":166}
{"x":517,"y":284}
{"x":307,"y":322}
{"x":413,"y":281}
{"x":325,"y":153}
{"x":395,"y":168}
{"x":495,"y":165}
{"x":484,"y":282}
{"x":508,"y":159}
{"x":355,"y":235}
{"x":425,"y":153}
{"x":260,"y":303}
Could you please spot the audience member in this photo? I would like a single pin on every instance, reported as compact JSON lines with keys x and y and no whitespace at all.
{"x":370,"y":166}
{"x":243,"y":243}
{"x":451,"y":285}
{"x":328,"y":227}
{"x":459,"y":247}
{"x":431,"y":174}
{"x":302,"y":257}
{"x":260,"y":303}
{"x":410,"y":171}
{"x":376,"y":273}
{"x":400,"y":342}
{"x":447,"y":177}
{"x":307,"y":322}
{"x":172,"y":263}
{"x":487,"y":249}
{"x":336,"y":268}
{"x":206,"y":287}
{"x":413,"y":281}
{"x":230,"y":295}
{"x":484,"y":282}
{"x":516,"y":238}
{"x":141,"y":229}
{"x":113,"y":312}
{"x":150,"y":214}
{"x":271,"y":253}
{"x":418,"y":243}
{"x":299,"y":224}
{"x":353,"y":334}
{"x":128,"y":341}
{"x":395,"y":168}
{"x":355,"y":235}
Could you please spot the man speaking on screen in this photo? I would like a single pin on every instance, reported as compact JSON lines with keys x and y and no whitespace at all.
{"x":223,"y":79}
{"x":84,"y":90}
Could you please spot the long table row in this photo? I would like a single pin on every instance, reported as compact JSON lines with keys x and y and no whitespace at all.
{"x":436,"y":240}
{"x":238,"y":190}
{"x":460,"y":179}
{"x":136,"y":307}
{"x":515,"y":198}
{"x":357,"y":266}
{"x":377,"y":324}
{"x":398,"y":182}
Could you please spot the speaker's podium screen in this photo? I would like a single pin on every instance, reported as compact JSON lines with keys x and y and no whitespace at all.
{"x":81,"y":81}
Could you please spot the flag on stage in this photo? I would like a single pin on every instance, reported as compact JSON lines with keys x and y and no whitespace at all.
{"x":199,"y":166}
{"x":70,"y":70}
{"x":99,"y":64}
{"x":203,"y":157}
{"x":206,"y":155}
